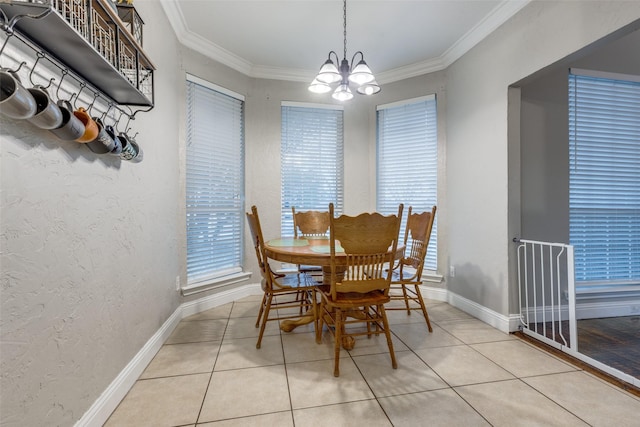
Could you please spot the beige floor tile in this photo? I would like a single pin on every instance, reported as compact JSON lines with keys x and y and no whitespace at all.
{"x":433,"y":408}
{"x":221,"y":312}
{"x":521,"y":359}
{"x":397,"y":317}
{"x":589,"y":398}
{"x":161,"y":402}
{"x":199,"y":331}
{"x":303,"y":347}
{"x":376,"y":344}
{"x":514,"y":403}
{"x":363,"y":413}
{"x":473,"y":331}
{"x":245,"y":309}
{"x":245,"y":392}
{"x":416,"y":336}
{"x":242,"y":353}
{"x":443,"y":312}
{"x":412,"y":374}
{"x":251,"y":298}
{"x":303,"y":329}
{"x":245,"y":327}
{"x":313,"y":384}
{"x":461,"y":365}
{"x":182,"y":359}
{"x":278,"y":419}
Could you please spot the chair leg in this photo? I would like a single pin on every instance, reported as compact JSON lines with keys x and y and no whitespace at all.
{"x":264,"y":300}
{"x":387,"y":333}
{"x":319,"y":321}
{"x":337,"y":342}
{"x":406,"y":299}
{"x":424,"y":308}
{"x":265,"y":318}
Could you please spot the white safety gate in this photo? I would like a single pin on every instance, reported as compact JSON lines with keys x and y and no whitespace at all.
{"x":547,"y":295}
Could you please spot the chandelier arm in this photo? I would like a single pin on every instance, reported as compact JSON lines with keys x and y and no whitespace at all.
{"x":337,"y":58}
{"x":353,"y":58}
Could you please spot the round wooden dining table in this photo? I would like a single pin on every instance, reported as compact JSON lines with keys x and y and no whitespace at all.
{"x":308,"y":251}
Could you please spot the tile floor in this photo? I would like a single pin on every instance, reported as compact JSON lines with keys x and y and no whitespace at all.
{"x":465,"y":373}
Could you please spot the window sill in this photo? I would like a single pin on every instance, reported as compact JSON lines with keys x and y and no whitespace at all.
{"x":217,"y":282}
{"x":432,"y":276}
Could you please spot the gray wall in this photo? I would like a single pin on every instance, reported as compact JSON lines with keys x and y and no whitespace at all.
{"x":545,"y":140}
{"x":89,"y":252}
{"x":90,"y":249}
{"x":479,"y":164}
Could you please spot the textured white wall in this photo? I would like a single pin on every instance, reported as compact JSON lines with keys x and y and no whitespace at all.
{"x":90,"y":249}
{"x":477,"y":143}
{"x":89,"y":253}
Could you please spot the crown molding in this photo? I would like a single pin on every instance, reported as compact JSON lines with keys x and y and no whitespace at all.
{"x":499,"y":15}
{"x":412,"y":70}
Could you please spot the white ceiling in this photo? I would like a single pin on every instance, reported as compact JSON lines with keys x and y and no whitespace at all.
{"x":290,"y":39}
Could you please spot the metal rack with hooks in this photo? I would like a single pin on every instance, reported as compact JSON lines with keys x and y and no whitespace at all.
{"x":71,"y":35}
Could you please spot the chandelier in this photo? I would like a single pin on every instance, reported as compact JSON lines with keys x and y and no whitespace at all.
{"x":360,"y":74}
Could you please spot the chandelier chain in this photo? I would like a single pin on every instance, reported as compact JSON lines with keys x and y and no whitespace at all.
{"x":344,"y":10}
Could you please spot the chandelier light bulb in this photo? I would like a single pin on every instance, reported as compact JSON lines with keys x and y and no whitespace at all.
{"x":319,"y":87}
{"x":343,"y":93}
{"x":329,"y":73}
{"x":361,"y":74}
{"x":370,"y":88}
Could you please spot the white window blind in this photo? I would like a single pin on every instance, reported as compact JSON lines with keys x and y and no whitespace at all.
{"x":407,"y":162}
{"x":215,"y":182}
{"x":604,"y":178}
{"x":312,"y":160}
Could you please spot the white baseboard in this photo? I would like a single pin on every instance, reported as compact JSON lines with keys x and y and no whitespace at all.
{"x":510,"y":323}
{"x":102,"y":408}
{"x":585,"y":310}
{"x":594,"y":310}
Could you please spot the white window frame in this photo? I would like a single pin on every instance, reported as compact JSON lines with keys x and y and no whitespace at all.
{"x":203,"y":278}
{"x":604,"y":177}
{"x":425,"y":148}
{"x":295,"y":170}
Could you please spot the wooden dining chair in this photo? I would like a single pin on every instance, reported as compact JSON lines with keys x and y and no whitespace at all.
{"x":281,"y":291}
{"x":360,"y":279}
{"x":407,"y":273}
{"x":313,"y":225}
{"x":310,"y":223}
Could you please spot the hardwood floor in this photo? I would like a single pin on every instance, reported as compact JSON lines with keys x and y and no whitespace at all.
{"x":614,"y":341}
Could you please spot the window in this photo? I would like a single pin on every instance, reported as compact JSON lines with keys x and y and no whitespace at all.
{"x":215,"y":181}
{"x":407,"y":161}
{"x":312,"y":160}
{"x":604,"y":177}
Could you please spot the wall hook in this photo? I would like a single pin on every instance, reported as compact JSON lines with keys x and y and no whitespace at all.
{"x":104,"y":115}
{"x":117,"y":122}
{"x":39,"y":55}
{"x":17,"y":69}
{"x":64,"y":74}
{"x":82,"y":86}
{"x":90,"y":107}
